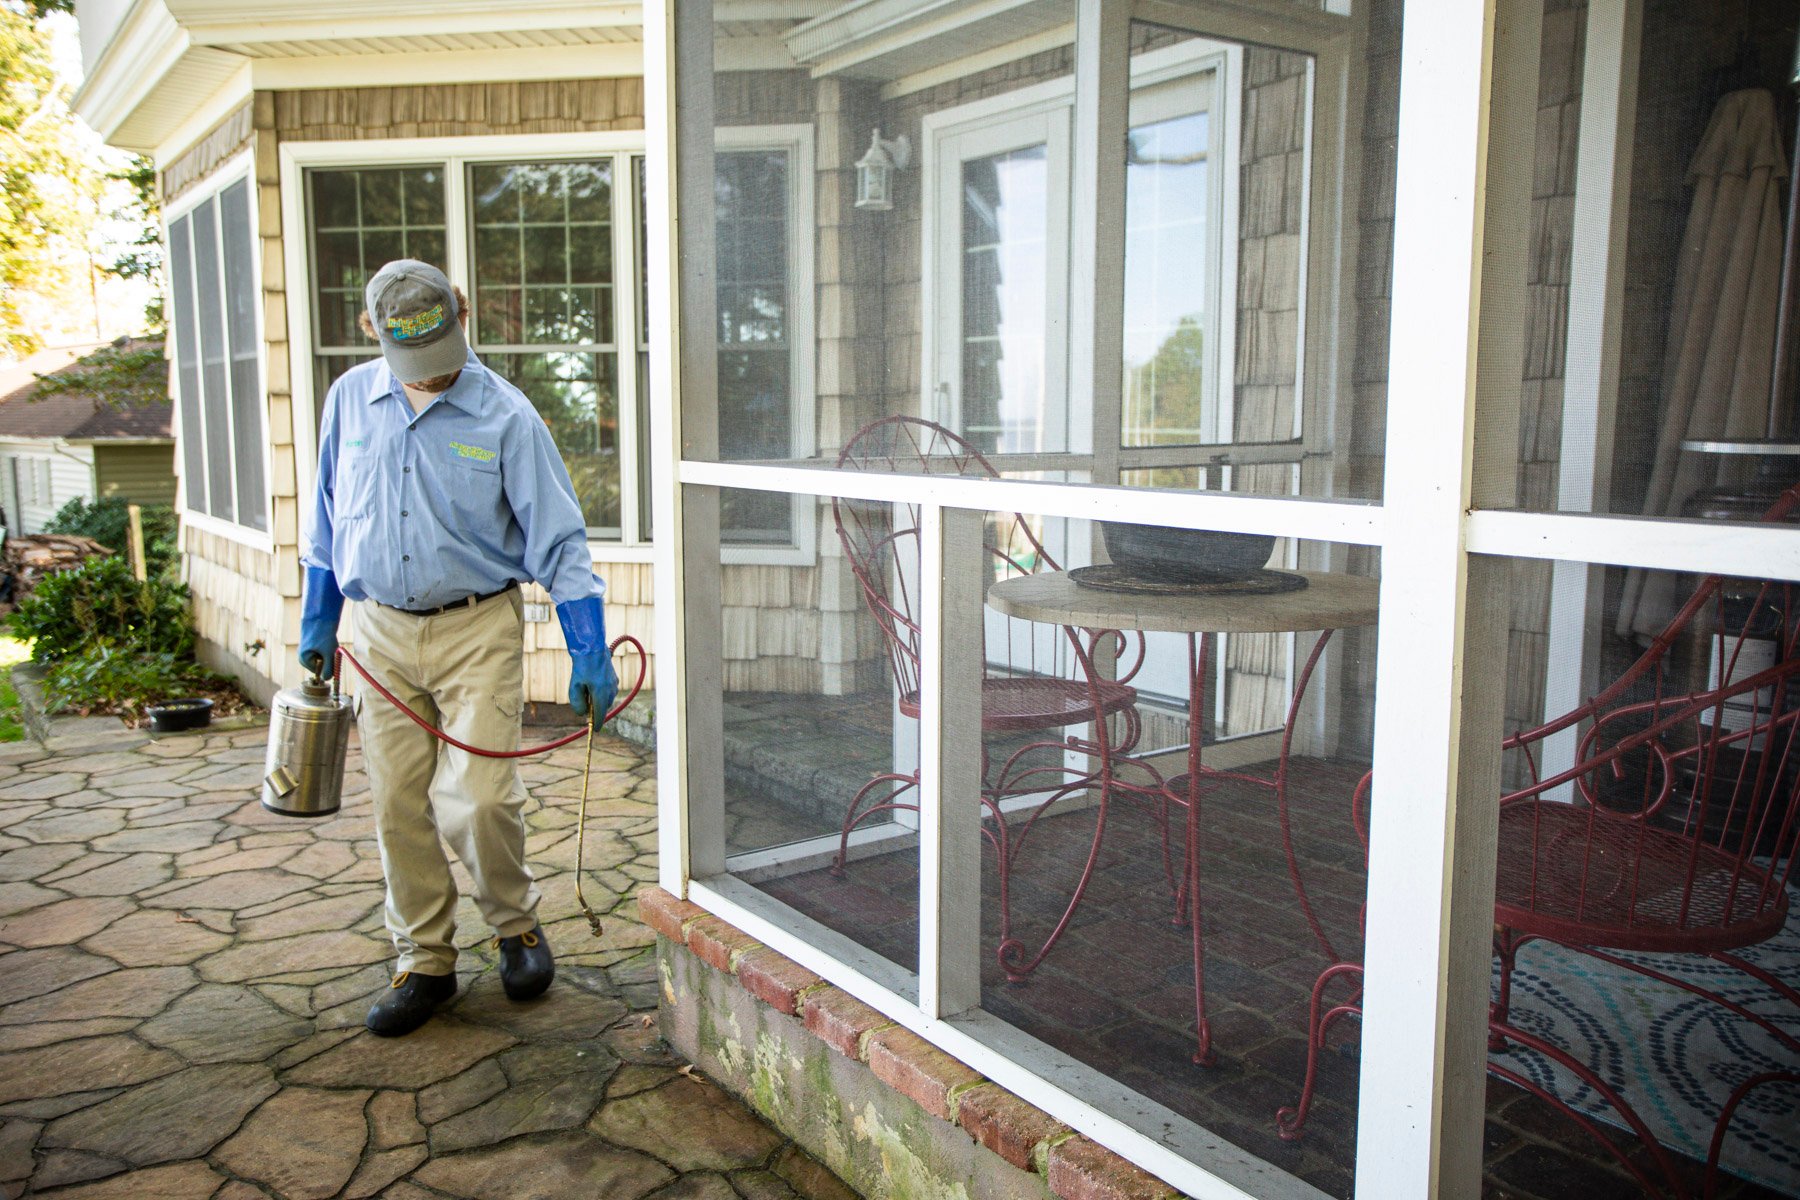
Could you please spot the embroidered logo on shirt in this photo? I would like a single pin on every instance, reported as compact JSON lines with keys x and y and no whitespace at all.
{"x":417,"y":325}
{"x":354,"y":443}
{"x":478,"y":453}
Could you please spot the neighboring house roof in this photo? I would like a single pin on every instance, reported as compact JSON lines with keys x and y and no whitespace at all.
{"x":51,"y":358}
{"x":139,"y":410}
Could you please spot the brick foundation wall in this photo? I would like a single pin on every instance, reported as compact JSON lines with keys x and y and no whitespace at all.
{"x":892,"y":1115}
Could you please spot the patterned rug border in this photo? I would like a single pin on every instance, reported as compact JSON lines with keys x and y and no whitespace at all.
{"x":1675,"y":1057}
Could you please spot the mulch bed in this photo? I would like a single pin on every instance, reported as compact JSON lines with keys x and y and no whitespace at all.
{"x":227,"y":700}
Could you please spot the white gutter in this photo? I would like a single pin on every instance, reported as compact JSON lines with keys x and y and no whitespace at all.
{"x":60,"y":446}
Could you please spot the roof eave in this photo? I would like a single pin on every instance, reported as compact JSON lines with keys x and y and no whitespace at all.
{"x":145,"y":46}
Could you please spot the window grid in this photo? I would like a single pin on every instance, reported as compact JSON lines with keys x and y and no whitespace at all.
{"x":541,"y":238}
{"x":347,"y":208}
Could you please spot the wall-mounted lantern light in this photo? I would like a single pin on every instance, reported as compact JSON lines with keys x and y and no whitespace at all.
{"x":875,"y":171}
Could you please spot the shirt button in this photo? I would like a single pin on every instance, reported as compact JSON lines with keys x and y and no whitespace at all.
{"x":406,"y":470}
{"x":406,"y":558}
{"x":404,"y":513}
{"x":410,"y":599}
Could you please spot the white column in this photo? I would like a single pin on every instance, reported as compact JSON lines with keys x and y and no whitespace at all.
{"x":1468,"y":82}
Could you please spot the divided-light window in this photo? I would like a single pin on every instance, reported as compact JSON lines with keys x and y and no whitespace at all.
{"x":549,"y":250}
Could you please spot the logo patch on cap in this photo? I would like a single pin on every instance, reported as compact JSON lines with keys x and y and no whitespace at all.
{"x":417,"y":325}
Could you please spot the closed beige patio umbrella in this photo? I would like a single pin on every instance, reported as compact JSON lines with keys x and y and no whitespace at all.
{"x":1719,"y":353}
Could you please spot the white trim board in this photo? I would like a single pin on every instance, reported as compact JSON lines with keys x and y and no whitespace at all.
{"x":1352,"y":521}
{"x":609,"y":60}
{"x":235,"y":93}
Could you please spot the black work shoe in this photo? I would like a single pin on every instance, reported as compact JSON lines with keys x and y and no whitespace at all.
{"x":408,"y":1003}
{"x":526,"y":964}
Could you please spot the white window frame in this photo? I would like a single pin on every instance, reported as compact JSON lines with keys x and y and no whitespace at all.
{"x":797,"y":142}
{"x":1155,"y":77}
{"x":1443,"y":527}
{"x":1152,"y":74}
{"x":988,"y":123}
{"x":456,"y":155}
{"x":240,"y":167}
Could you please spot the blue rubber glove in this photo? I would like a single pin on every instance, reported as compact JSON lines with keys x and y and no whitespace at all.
{"x":319,"y":612}
{"x":594,"y":685}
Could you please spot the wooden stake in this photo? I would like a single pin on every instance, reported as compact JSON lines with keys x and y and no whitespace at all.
{"x":135,"y":542}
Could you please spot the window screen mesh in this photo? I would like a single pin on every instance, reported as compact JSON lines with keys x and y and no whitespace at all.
{"x":246,"y":403}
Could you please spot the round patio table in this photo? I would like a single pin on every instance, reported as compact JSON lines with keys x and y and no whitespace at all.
{"x":1329,"y":602}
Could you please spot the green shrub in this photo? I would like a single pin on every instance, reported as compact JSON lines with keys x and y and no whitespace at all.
{"x":111,"y":678}
{"x":100,"y":601}
{"x":108,"y":522}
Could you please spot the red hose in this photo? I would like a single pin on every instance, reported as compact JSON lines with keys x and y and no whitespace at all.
{"x":344,"y":656}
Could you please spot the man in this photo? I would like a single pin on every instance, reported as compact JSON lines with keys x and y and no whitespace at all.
{"x":439,"y":492}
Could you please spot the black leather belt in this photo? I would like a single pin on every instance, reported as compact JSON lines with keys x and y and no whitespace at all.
{"x":465,"y":602}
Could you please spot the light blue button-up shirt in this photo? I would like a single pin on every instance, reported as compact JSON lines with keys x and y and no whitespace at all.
{"x":415,"y":510}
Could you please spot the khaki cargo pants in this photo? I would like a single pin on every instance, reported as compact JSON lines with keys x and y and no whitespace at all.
{"x":463,"y":671}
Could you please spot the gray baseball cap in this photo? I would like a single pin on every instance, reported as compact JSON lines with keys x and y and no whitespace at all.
{"x":413,"y":309}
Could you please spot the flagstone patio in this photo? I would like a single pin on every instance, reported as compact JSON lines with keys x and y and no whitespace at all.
{"x":183,"y":979}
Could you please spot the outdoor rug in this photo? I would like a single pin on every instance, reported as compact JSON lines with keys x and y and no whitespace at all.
{"x":1673,"y":1056}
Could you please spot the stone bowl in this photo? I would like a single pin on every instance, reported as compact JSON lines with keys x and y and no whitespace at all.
{"x":1163,"y":555}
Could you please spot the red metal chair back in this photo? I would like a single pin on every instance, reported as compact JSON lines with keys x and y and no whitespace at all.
{"x":879,"y":537}
{"x":1687,"y":770}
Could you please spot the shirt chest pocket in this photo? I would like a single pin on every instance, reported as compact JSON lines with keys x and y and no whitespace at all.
{"x":353,"y":490}
{"x":473,"y":488}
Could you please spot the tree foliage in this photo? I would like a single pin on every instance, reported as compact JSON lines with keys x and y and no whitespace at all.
{"x":33,"y":163}
{"x":142,"y":258}
{"x":57,"y":191}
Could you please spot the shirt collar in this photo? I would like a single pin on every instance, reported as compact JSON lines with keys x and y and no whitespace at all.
{"x":467,"y":393}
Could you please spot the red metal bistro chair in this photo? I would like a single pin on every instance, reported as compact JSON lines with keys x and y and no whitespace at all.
{"x":877,"y":540}
{"x":1682,"y":839}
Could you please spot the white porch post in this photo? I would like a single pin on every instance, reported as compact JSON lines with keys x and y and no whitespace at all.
{"x":678,"y":119}
{"x":1468,"y":90}
{"x":951,"y":561}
